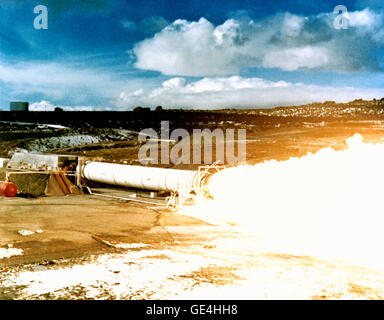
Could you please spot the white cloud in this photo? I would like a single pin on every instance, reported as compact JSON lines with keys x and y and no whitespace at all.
{"x":39,"y":74}
{"x":295,"y":58}
{"x":42,"y":106}
{"x":285,"y":41}
{"x":240,"y":92}
{"x":49,"y":106}
{"x":56,"y":81}
{"x":364,"y":18}
{"x":186,"y":48}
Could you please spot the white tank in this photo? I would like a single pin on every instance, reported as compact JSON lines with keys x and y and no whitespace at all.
{"x":148,"y":178}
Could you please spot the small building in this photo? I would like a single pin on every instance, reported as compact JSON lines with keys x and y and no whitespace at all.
{"x":19,"y":106}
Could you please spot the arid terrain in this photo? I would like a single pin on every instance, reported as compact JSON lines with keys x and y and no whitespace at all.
{"x":89,"y":247}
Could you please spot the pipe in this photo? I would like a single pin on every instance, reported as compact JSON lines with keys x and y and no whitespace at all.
{"x":7,"y":189}
{"x":140,"y":177}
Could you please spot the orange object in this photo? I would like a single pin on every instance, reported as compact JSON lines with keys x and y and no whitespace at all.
{"x":62,"y":184}
{"x":7,"y":189}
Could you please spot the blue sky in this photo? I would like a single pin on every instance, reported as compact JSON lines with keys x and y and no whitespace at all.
{"x":118,"y":54}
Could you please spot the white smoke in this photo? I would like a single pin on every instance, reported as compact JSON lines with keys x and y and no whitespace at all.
{"x":327,"y":204}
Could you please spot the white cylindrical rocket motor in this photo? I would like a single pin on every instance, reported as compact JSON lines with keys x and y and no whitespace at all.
{"x":140,"y":177}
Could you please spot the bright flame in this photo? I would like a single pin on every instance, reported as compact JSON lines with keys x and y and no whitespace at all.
{"x":328,"y":204}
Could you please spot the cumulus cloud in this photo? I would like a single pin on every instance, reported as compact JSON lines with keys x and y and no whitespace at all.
{"x":42,"y":106}
{"x":236,"y":91}
{"x":285,"y":41}
{"x":295,"y":58}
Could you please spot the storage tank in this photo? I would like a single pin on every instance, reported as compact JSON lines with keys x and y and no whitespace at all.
{"x":19,"y":106}
{"x":140,"y":177}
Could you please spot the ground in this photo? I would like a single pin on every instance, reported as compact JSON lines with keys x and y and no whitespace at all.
{"x":87,"y":247}
{"x":109,"y":250}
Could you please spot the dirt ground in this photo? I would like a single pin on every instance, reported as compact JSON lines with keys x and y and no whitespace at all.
{"x":76,"y":225}
{"x":281,"y":139}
